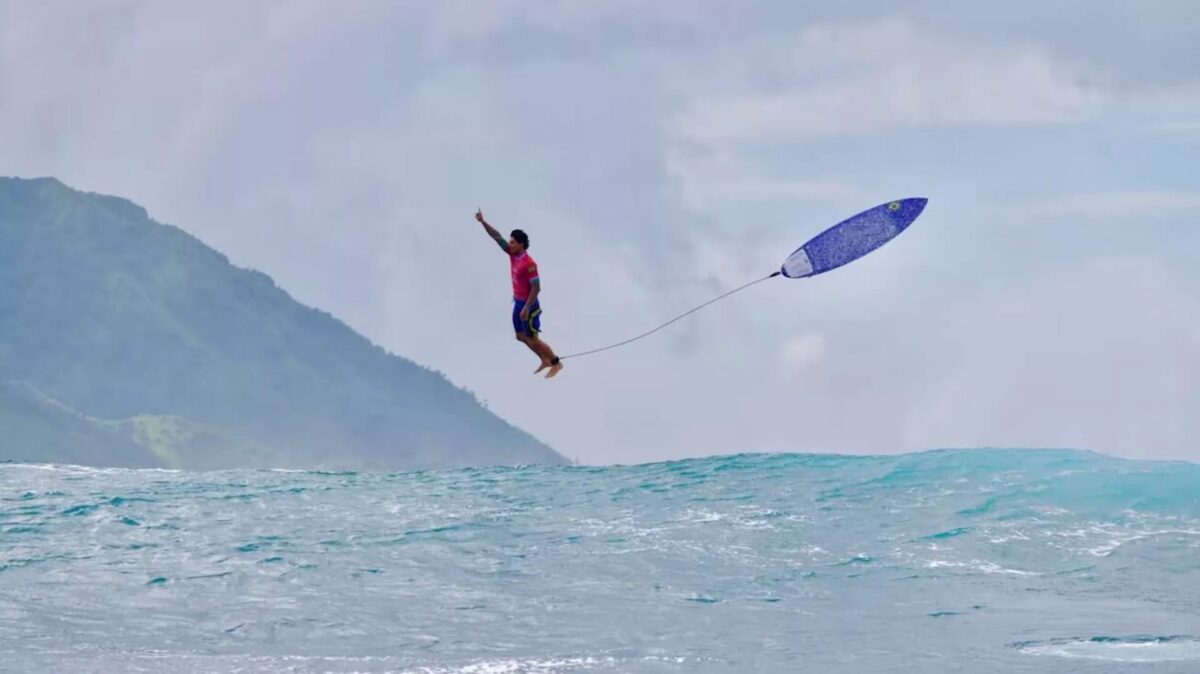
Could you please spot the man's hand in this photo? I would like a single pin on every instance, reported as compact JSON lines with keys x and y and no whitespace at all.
{"x":491,"y":231}
{"x":525,"y":313}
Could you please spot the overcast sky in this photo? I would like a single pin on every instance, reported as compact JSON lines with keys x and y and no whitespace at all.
{"x":658,"y":153}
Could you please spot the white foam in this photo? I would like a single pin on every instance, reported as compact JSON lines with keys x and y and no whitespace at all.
{"x":1165,"y":650}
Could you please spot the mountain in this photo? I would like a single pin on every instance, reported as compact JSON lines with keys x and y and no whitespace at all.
{"x":127,"y":342}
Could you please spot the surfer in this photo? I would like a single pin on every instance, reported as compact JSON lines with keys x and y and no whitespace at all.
{"x":526,"y":312}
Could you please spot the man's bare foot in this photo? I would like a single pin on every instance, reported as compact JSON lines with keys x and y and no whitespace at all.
{"x":545,"y":364}
{"x":554,"y":369}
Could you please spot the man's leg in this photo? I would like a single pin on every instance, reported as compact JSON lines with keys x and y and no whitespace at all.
{"x":546,"y":353}
{"x":537,"y":347}
{"x":530,"y":341}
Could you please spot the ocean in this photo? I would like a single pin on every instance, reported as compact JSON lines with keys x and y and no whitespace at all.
{"x":944,"y":561}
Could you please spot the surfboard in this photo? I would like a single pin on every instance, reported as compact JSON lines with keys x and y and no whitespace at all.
{"x":852,"y":238}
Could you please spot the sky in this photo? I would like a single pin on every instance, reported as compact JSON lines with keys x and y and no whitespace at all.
{"x":657,"y":154}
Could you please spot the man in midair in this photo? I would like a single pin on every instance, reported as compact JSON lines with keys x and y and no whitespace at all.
{"x":526,"y":313}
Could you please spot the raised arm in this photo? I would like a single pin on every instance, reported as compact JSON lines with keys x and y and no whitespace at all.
{"x":496,"y":236}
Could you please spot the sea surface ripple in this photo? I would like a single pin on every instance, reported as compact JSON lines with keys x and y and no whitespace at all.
{"x":965,"y":560}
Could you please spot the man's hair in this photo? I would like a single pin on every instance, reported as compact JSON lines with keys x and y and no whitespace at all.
{"x":521,"y":238}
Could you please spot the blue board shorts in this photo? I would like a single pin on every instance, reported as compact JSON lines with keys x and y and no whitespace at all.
{"x":531,"y":327}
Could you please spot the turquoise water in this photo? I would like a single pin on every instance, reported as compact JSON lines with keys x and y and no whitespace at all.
{"x":1015,"y":561}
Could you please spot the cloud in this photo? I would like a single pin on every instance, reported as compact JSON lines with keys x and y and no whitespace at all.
{"x":151,"y":88}
{"x":803,"y":352}
{"x":1106,"y":206}
{"x":1183,"y":128}
{"x":707,"y":180}
{"x":882,"y":76}
{"x":1096,"y":357}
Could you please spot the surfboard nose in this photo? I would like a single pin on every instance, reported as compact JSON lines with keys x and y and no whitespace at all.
{"x":908,"y":211}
